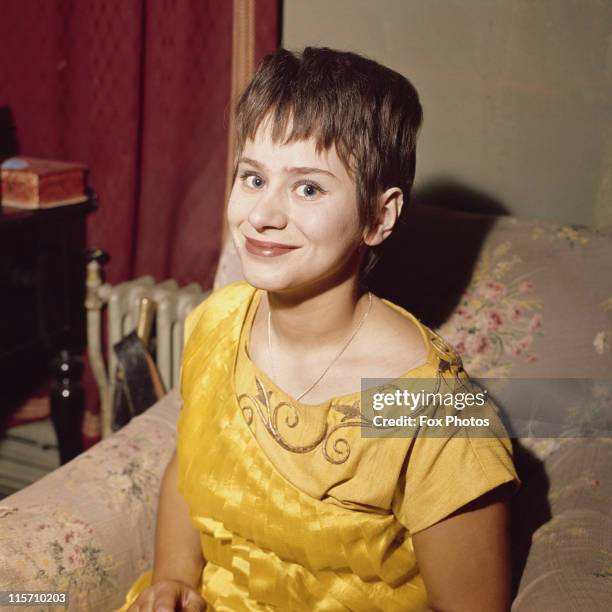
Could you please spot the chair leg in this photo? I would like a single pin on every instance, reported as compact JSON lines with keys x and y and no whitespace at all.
{"x":67,"y":401}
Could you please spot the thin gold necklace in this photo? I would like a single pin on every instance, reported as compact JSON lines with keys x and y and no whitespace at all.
{"x":344,"y":347}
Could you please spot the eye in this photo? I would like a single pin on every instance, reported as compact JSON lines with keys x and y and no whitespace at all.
{"x":251,"y":180}
{"x":309,"y":190}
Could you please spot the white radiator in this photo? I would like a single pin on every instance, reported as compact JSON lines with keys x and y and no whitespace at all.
{"x":173,"y":304}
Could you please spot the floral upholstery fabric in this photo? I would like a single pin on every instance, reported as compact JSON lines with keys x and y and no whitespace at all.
{"x":537,"y":302}
{"x":88,"y":527}
{"x":519,"y":316}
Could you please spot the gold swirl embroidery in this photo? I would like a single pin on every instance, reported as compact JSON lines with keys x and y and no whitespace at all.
{"x":449,"y":361}
{"x":269,"y":416}
{"x":352,"y":418}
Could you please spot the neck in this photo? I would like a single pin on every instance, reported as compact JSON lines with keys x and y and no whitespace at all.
{"x":319,"y":319}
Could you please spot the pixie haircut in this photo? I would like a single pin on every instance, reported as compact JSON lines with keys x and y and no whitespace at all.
{"x":369,"y":112}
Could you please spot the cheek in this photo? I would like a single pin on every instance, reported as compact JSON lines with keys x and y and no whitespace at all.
{"x":234,"y":213}
{"x":337,"y":232}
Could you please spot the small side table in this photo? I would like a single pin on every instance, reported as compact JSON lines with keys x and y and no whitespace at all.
{"x":42,"y":314}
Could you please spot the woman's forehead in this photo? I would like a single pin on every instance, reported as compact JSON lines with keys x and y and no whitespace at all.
{"x":301,"y":152}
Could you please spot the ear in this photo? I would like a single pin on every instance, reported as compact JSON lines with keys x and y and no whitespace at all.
{"x":389,"y":208}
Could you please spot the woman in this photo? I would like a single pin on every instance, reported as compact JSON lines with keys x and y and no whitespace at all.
{"x":274,"y":500}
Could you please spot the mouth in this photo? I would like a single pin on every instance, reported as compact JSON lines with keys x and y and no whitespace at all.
{"x":267,"y":249}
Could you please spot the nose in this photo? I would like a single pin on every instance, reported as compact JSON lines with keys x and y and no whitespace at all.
{"x":268,"y":210}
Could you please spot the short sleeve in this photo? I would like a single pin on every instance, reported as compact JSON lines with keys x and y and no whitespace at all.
{"x":442,"y":474}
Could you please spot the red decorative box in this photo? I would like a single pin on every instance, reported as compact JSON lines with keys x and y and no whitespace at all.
{"x":28,"y":182}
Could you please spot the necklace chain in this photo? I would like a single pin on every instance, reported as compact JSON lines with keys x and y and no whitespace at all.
{"x":344,"y":347}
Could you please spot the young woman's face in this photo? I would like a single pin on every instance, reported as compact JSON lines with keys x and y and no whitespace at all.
{"x":293,"y":216}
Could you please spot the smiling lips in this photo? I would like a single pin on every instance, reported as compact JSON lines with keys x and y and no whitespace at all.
{"x":267,"y":249}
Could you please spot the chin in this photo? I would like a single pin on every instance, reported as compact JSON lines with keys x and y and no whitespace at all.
{"x":270,"y":274}
{"x":270,"y":279}
{"x":285,"y":281}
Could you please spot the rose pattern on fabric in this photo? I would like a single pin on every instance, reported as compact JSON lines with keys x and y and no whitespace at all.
{"x":498,"y":316}
{"x":62,"y":551}
{"x":63,"y":542}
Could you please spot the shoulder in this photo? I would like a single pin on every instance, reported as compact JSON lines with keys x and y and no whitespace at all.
{"x":409,"y":334}
{"x":218,"y":305}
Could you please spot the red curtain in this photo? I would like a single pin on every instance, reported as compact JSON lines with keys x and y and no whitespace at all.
{"x":139,"y":91}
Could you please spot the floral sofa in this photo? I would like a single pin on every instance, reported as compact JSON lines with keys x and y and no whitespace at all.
{"x":518,"y":298}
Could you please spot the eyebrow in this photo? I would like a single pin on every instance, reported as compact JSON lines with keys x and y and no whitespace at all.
{"x":293,"y":170}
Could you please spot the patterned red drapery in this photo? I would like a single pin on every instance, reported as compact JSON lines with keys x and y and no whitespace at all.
{"x":139,"y":91}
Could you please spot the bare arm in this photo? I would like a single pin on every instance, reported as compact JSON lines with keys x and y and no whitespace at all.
{"x":465,"y":558}
{"x":178,"y":553}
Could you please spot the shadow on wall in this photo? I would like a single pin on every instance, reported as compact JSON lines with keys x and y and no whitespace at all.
{"x":453,"y":195}
{"x":428,"y":262}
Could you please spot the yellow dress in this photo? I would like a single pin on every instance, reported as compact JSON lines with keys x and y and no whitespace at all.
{"x":296,"y":510}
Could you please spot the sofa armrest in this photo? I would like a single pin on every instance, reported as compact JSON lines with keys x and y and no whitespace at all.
{"x":568,"y":565}
{"x":88,"y":527}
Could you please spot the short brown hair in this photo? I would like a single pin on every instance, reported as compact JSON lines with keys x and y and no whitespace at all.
{"x":369,"y":112}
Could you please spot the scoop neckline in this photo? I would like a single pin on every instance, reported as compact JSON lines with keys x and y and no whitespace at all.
{"x":245,"y":337}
